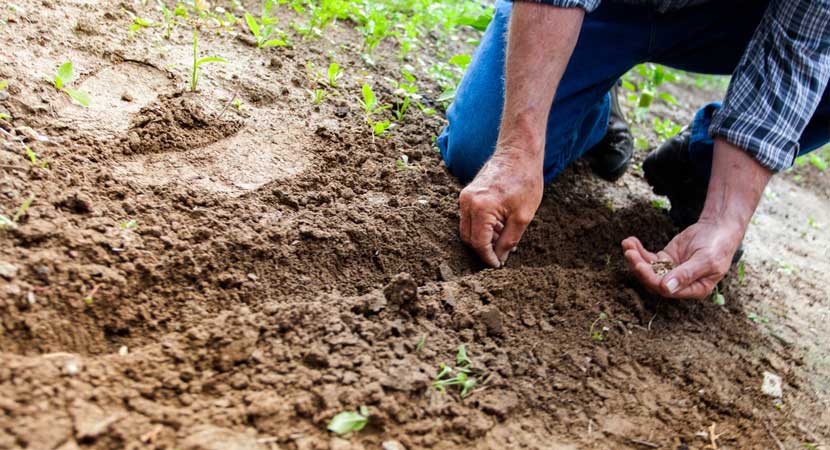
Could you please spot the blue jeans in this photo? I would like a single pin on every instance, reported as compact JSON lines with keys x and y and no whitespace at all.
{"x":709,"y":38}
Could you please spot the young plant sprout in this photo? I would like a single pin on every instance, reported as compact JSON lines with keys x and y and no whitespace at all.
{"x":139,"y":23}
{"x":349,"y":421}
{"x":370,"y":108}
{"x":464,"y":374}
{"x":317,"y":96}
{"x":334,"y":74}
{"x":194,"y":74}
{"x":33,"y":157}
{"x":3,"y":85}
{"x":65,"y":76}
{"x":263,"y":29}
{"x":598,"y":335}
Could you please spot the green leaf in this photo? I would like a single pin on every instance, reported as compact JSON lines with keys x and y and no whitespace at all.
{"x":461,"y":357}
{"x":3,"y":84}
{"x":447,"y":95}
{"x":65,"y":74}
{"x":666,"y":97}
{"x":252,"y":25}
{"x":461,"y":60}
{"x":741,"y":272}
{"x":369,"y":99}
{"x":274,"y":43}
{"x":6,"y":222}
{"x":4,"y":116}
{"x":23,"y":209}
{"x":628,"y":85}
{"x":209,"y":59}
{"x":79,"y":96}
{"x":645,"y":99}
{"x":379,"y":127}
{"x":347,"y":422}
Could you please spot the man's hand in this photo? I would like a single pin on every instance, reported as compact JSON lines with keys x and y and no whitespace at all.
{"x":703,"y":252}
{"x":502,"y":199}
{"x":497,"y":206}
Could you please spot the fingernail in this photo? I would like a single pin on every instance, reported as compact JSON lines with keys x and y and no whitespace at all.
{"x":504,"y":259}
{"x":672,"y":285}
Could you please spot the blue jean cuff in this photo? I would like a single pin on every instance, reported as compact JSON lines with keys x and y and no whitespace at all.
{"x":700,"y":143}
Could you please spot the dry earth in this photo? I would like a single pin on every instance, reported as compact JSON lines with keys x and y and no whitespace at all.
{"x":283,"y":269}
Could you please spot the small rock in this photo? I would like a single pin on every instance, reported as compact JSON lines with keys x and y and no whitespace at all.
{"x":402,"y":292}
{"x":772,"y":385}
{"x":123,"y":351}
{"x":4,"y":96}
{"x":91,"y":421}
{"x":208,"y":437}
{"x":445,"y":271}
{"x":392,"y":445}
{"x":127,"y":97}
{"x":7,"y":270}
{"x":490,"y":316}
{"x":72,"y":366}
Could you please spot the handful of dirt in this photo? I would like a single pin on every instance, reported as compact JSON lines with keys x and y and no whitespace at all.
{"x":661,"y":268}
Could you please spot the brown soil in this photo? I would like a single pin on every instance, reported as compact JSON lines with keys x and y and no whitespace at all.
{"x":283,"y":269}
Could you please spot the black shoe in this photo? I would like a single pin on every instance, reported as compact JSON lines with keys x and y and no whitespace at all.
{"x":610,"y":158}
{"x":670,"y":172}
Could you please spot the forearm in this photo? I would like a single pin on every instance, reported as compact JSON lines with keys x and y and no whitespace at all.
{"x":735,"y":187}
{"x":540,"y":42}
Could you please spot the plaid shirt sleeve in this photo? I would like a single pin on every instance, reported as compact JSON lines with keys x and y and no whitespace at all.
{"x":778,"y":83}
{"x":587,"y":5}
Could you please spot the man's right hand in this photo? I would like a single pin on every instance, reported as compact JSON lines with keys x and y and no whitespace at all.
{"x":502,"y":199}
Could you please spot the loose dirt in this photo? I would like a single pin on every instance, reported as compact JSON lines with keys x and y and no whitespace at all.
{"x":283,"y":268}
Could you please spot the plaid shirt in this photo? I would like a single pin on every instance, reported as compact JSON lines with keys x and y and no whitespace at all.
{"x":778,"y":82}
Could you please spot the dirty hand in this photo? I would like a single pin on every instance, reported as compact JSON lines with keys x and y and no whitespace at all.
{"x":497,"y":206}
{"x":701,"y":256}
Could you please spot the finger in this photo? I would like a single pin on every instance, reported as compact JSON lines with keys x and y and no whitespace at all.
{"x":464,"y":225}
{"x":497,"y":229}
{"x":642,"y":270}
{"x":632,"y":243}
{"x":699,"y":289}
{"x":693,"y":270}
{"x":481,"y":239}
{"x":510,"y":237}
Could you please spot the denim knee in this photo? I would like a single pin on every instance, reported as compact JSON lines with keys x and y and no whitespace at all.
{"x":463,"y":152}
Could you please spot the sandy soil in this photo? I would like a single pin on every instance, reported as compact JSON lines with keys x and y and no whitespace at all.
{"x":282,"y":268}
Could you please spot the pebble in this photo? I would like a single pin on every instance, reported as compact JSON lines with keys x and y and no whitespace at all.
{"x":7,"y":270}
{"x":772,"y":385}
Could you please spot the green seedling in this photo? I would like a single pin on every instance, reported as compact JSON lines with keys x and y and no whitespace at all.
{"x":317,"y":96}
{"x":757,"y":318}
{"x":194,"y":74}
{"x":666,"y":128}
{"x":6,"y":222}
{"x":264,"y":28}
{"x":717,"y":297}
{"x":379,"y":127}
{"x":598,"y":335}
{"x":334,"y":74}
{"x":421,"y":342}
{"x":129,"y":224}
{"x":4,"y":84}
{"x":237,"y":103}
{"x":370,"y":102}
{"x":138,"y":24}
{"x":349,"y":421}
{"x":22,"y":209}
{"x":65,"y":76}
{"x":89,"y":299}
{"x":402,"y":163}
{"x":33,"y":158}
{"x":464,"y":374}
{"x":741,"y":272}
{"x":659,"y":203}
{"x":169,"y":17}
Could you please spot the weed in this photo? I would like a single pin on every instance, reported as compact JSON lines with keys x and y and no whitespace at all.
{"x":33,"y":158}
{"x":334,"y":74}
{"x":65,"y":76}
{"x":194,"y":74}
{"x":741,"y":272}
{"x":659,"y":203}
{"x":598,"y":335}
{"x":757,"y":318}
{"x":349,"y":421}
{"x":464,"y":374}
{"x":263,"y":29}
{"x":421,"y":342}
{"x":717,"y":297}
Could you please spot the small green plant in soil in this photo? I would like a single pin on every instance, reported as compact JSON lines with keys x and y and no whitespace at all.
{"x":33,"y":158}
{"x":194,"y":74}
{"x":6,"y":222}
{"x":66,"y":75}
{"x":138,"y":24}
{"x":334,"y":75}
{"x":370,"y":108}
{"x":659,"y":203}
{"x":741,"y":272}
{"x":421,"y":342}
{"x":317,"y":96}
{"x":666,"y":128}
{"x":717,"y":297}
{"x":598,"y":335}
{"x":349,"y":421}
{"x":462,"y":375}
{"x":129,"y":224}
{"x":264,"y":28}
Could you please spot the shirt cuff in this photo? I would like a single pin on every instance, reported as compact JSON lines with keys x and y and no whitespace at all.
{"x":770,"y":148}
{"x":587,"y":5}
